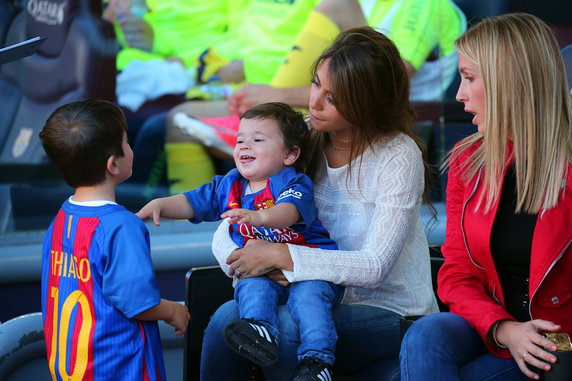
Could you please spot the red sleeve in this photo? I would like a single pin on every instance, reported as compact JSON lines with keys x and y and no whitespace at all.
{"x":462,"y":282}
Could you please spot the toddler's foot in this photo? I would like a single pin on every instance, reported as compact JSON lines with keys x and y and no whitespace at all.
{"x":252,"y":340}
{"x":312,"y":368}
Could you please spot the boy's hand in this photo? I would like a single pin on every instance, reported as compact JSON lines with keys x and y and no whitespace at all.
{"x":244,"y":216}
{"x":179,"y":318}
{"x":151,"y":210}
{"x":172,"y":313}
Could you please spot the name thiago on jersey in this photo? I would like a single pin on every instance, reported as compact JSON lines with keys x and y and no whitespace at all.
{"x":66,"y":265}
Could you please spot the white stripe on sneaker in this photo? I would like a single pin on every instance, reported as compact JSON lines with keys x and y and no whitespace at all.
{"x":325,"y":375}
{"x":257,"y":329}
{"x":262,"y":331}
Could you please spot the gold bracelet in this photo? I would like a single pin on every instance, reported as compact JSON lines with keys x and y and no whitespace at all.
{"x":494,"y":335}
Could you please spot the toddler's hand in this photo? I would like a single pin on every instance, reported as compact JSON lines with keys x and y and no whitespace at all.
{"x":151,"y":210}
{"x":242,"y":216}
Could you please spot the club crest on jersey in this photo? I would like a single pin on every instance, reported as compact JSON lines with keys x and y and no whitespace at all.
{"x":290,"y":193}
{"x":264,"y":204}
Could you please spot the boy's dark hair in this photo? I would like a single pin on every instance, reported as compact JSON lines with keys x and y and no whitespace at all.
{"x":80,"y":137}
{"x":294,"y":129}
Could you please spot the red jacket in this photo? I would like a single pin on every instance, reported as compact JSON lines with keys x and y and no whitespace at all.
{"x":468,"y":281}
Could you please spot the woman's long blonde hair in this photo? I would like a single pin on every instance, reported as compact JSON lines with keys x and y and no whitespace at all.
{"x":527,"y":102}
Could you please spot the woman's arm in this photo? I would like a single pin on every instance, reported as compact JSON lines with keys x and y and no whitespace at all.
{"x":462,"y":283}
{"x":223,"y":246}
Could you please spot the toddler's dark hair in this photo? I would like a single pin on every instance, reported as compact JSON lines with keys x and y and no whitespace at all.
{"x":292,"y":125}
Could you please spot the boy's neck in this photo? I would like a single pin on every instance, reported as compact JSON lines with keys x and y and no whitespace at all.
{"x":256,"y":186}
{"x":94,"y":193}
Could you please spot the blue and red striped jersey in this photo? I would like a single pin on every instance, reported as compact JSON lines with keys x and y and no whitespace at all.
{"x":97,"y":274}
{"x":210,"y":200}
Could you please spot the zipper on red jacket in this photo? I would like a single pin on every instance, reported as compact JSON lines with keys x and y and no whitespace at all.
{"x":463,"y":220}
{"x":562,"y":187}
{"x":544,"y":277}
{"x":495,"y":294}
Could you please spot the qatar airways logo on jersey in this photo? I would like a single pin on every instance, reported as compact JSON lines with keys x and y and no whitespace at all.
{"x":290,"y":193}
{"x":67,"y":265}
{"x":47,"y":12}
{"x":268,"y":234}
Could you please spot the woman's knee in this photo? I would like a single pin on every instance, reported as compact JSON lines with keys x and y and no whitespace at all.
{"x":433,"y":328}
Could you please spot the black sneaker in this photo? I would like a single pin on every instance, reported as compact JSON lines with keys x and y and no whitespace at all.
{"x":252,"y":340}
{"x":312,"y":368}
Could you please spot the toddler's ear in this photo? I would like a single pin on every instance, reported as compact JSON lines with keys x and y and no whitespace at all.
{"x":292,"y":155}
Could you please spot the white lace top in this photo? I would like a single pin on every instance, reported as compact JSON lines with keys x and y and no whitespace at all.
{"x":373,"y":215}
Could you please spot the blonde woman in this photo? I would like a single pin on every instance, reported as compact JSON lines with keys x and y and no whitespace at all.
{"x":508,"y":252}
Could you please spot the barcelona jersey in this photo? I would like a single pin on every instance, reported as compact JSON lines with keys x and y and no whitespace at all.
{"x":97,"y":275}
{"x":210,"y":200}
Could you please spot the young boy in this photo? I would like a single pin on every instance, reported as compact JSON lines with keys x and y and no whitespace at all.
{"x":100,"y":300}
{"x":265,"y":198}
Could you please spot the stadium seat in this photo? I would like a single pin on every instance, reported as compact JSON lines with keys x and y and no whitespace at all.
{"x":207,"y":289}
{"x":8,"y":10}
{"x":23,"y":349}
{"x":76,"y":61}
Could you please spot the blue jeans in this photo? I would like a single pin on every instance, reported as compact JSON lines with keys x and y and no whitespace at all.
{"x":310,"y":304}
{"x":444,"y":346}
{"x":366,"y":335}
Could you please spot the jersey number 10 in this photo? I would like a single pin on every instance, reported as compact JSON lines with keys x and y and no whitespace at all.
{"x":60,"y":329}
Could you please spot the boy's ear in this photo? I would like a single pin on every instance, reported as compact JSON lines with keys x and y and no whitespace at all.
{"x":292,"y":155}
{"x":112,"y":165}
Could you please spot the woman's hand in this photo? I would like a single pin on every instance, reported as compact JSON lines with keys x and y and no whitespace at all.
{"x":278,"y":276}
{"x":527,"y":344}
{"x":259,"y":257}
